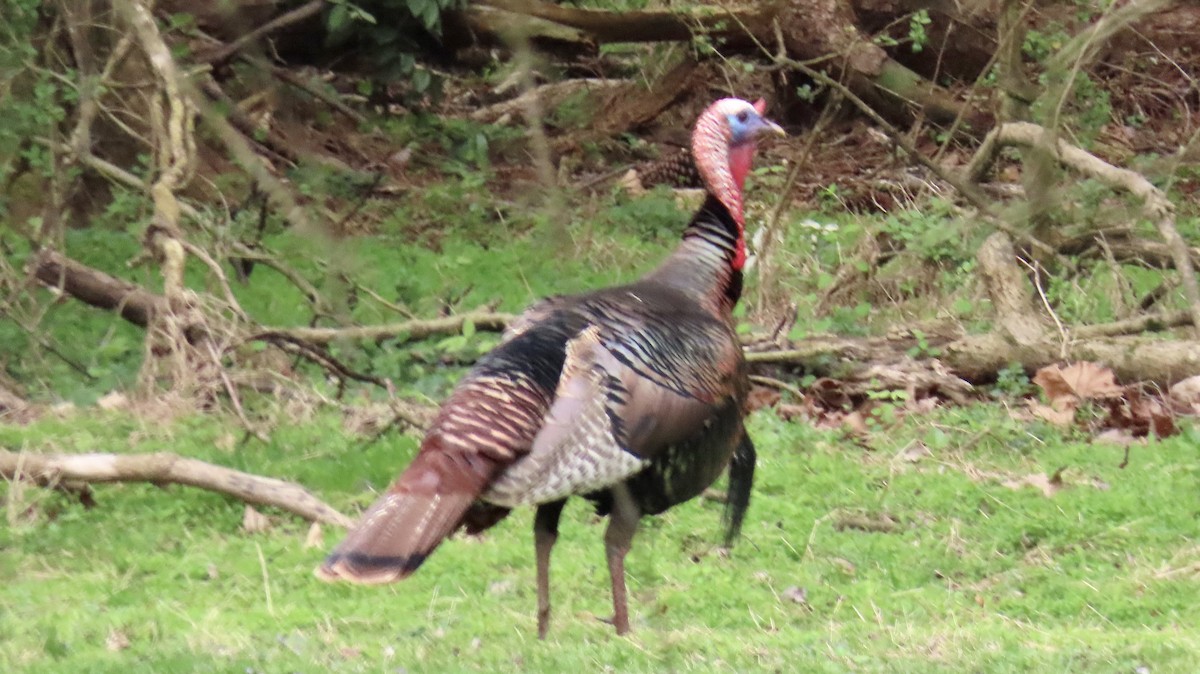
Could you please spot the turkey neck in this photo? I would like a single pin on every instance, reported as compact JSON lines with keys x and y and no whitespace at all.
{"x":706,"y":265}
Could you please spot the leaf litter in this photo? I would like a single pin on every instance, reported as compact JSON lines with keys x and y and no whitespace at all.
{"x":1133,"y":411}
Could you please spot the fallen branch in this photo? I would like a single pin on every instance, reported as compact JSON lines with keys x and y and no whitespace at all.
{"x":550,"y":95}
{"x":96,"y":288}
{"x":166,"y":468}
{"x":408,"y":331}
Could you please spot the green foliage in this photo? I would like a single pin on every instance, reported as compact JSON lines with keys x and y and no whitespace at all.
{"x":33,"y":103}
{"x":466,"y":146}
{"x":1041,"y":43}
{"x":389,"y":33}
{"x":655,"y":217}
{"x":925,"y":232}
{"x":917,"y":35}
{"x":1011,"y":382}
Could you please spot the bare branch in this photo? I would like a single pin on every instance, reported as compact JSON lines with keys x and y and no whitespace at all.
{"x":167,"y":468}
{"x":1156,"y":207}
{"x":409,"y":330}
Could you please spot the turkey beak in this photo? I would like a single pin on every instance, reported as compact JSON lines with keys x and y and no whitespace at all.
{"x":772,"y":129}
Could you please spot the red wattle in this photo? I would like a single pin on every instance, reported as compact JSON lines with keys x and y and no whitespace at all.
{"x":740,"y":158}
{"x":739,"y":255}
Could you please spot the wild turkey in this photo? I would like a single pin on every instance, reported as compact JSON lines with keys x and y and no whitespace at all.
{"x":629,"y":396}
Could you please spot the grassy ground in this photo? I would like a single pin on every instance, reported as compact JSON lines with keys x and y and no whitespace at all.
{"x":973,"y":575}
{"x":915,"y":549}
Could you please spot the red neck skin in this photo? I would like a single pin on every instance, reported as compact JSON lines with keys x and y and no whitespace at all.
{"x":740,"y":159}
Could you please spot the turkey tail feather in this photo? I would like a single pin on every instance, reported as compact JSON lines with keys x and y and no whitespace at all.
{"x":402,"y":528}
{"x":741,"y":480}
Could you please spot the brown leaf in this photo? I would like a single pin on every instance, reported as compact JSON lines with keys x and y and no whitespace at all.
{"x":788,"y":411}
{"x":760,"y":397}
{"x":1060,"y":414}
{"x":254,"y":522}
{"x":915,"y":452}
{"x":855,"y":424}
{"x":1141,"y":414}
{"x":113,"y":400}
{"x":846,"y":566}
{"x":116,"y":641}
{"x":1187,"y":393}
{"x":797,"y":595}
{"x":1115,"y":436}
{"x":1049,"y":485}
{"x":1082,"y":380}
{"x":829,"y":393}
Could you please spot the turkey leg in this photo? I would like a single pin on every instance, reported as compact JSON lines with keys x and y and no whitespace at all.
{"x":545,"y":533}
{"x":622,"y":524}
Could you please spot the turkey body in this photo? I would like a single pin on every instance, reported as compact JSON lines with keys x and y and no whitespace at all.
{"x":667,"y":409}
{"x":631,"y":397}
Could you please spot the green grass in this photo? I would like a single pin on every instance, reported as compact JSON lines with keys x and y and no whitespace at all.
{"x":976,"y":576}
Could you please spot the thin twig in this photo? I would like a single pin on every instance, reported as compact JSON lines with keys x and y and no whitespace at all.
{"x":772,"y":382}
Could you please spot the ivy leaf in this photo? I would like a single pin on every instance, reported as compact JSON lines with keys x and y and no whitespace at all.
{"x":338,"y":17}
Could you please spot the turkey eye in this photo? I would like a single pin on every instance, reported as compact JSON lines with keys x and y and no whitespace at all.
{"x":743,"y":116}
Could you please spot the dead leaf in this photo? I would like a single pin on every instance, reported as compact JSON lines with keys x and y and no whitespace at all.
{"x":254,"y":522}
{"x":314,"y":539}
{"x":917,"y":405}
{"x":855,"y":424}
{"x":789,"y":412}
{"x":501,"y":587}
{"x":1082,"y":380}
{"x":1115,"y":436}
{"x":116,"y":641}
{"x":847,"y":567}
{"x":797,"y":595}
{"x":760,"y":397}
{"x":226,"y":442}
{"x":1187,"y":392}
{"x":1141,"y":414}
{"x":915,"y":452}
{"x":1049,"y":485}
{"x":114,"y":400}
{"x":830,"y":393}
{"x":1062,"y":414}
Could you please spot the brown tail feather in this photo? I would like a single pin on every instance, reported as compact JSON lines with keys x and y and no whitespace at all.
{"x":397,"y":533}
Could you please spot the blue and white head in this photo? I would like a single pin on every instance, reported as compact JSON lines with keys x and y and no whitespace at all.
{"x":723,"y":145}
